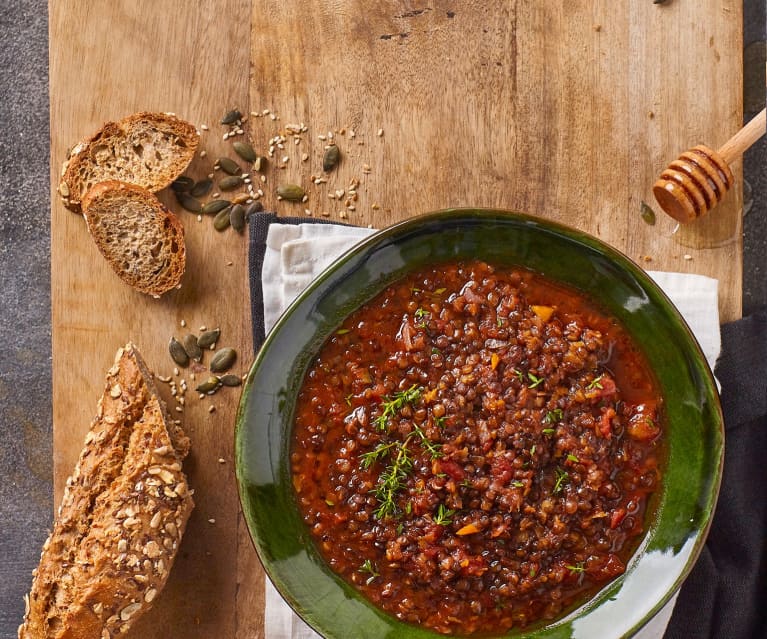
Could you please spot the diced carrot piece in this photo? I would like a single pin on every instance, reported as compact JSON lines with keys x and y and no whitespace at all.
{"x":494,"y":359}
{"x":544,"y":312}
{"x":430,"y":395}
{"x":468,"y":529}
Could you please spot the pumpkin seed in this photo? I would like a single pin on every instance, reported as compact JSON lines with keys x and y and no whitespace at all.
{"x":648,"y":215}
{"x":208,"y":338}
{"x":253,"y":208}
{"x":192,"y":349}
{"x":177,"y":352}
{"x":214,"y":206}
{"x":182,"y":184}
{"x":221,"y":222}
{"x":229,"y":166}
{"x":245,"y":151}
{"x":291,"y":192}
{"x":202,"y":188}
{"x":230,"y":117}
{"x":223,"y":360}
{"x":191,"y":204}
{"x":231,"y":380}
{"x":209,"y":385}
{"x":331,"y":158}
{"x":230,"y":182}
{"x":237,"y":217}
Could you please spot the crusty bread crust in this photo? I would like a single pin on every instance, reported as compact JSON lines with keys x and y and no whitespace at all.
{"x":140,"y":238}
{"x":147,"y":149}
{"x":121,"y":519}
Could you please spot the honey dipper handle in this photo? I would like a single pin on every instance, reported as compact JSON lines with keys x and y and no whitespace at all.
{"x":743,"y":139}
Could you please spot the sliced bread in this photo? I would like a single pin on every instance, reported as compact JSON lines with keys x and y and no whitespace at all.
{"x":121,"y":518}
{"x":140,"y":238}
{"x":147,"y":149}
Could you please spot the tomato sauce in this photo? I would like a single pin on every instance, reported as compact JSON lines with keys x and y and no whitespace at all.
{"x":474,"y":448}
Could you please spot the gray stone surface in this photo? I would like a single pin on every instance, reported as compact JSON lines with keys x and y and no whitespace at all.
{"x":25,"y":361}
{"x":25,"y":366}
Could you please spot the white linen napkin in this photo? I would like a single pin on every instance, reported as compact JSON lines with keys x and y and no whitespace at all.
{"x":297,"y":253}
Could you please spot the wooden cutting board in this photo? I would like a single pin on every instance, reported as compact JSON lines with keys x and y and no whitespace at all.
{"x":565,"y":110}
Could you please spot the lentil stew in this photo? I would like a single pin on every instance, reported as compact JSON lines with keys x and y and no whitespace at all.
{"x":475,"y":448}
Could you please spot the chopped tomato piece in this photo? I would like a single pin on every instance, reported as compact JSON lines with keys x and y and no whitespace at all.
{"x":468,"y":529}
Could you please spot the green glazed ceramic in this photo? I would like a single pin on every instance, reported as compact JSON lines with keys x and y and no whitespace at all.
{"x":694,"y":429}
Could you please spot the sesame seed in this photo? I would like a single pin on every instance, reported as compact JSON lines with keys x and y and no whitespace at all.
{"x":687,"y":256}
{"x":221,"y":460}
{"x":183,"y":323}
{"x":380,"y":133}
{"x":204,"y":127}
{"x":211,"y":521}
{"x":203,"y":154}
{"x":304,"y":157}
{"x":175,"y":371}
{"x":199,"y":218}
{"x":211,"y":408}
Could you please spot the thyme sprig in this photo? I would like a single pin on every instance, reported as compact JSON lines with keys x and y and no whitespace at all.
{"x":443,"y":515}
{"x":368,"y":568}
{"x":562,"y":479}
{"x":396,"y":402}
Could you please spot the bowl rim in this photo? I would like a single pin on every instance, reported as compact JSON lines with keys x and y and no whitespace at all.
{"x":489,"y":214}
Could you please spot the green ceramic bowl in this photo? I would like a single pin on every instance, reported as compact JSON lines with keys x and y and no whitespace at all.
{"x":694,"y":430}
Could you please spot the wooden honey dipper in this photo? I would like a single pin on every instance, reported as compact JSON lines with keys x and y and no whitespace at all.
{"x":695,"y":183}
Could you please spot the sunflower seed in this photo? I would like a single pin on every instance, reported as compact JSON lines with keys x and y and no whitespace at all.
{"x":230,"y":117}
{"x":182,"y":184}
{"x":237,"y":217}
{"x":208,"y":338}
{"x":230,"y":182}
{"x":177,"y":352}
{"x":221,"y":221}
{"x":191,"y":204}
{"x":331,"y":158}
{"x":229,"y":166}
{"x":290,"y":192}
{"x":223,"y":360}
{"x":245,"y":151}
{"x":215,"y":206}
{"x":209,"y":385}
{"x":231,"y":380}
{"x":202,"y":188}
{"x":190,"y":346}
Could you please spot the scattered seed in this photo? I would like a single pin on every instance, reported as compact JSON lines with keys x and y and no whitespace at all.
{"x":331,"y":158}
{"x":221,"y":221}
{"x":687,"y":256}
{"x":259,"y":163}
{"x":290,"y":192}
{"x":648,"y":215}
{"x":202,"y":188}
{"x":223,"y":360}
{"x":211,"y":408}
{"x":183,"y":323}
{"x":209,"y":385}
{"x":245,"y":151}
{"x":231,"y":380}
{"x":229,"y":166}
{"x":237,"y":217}
{"x":191,"y":204}
{"x":230,"y":117}
{"x":177,"y":353}
{"x":208,"y":338}
{"x":215,"y":206}
{"x":191,"y":347}
{"x":380,"y":133}
{"x":182,"y":184}
{"x":230,"y":182}
{"x":253,"y":208}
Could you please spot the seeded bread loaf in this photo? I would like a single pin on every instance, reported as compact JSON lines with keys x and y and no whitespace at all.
{"x":121,"y":519}
{"x":146,"y":149}
{"x":140,"y":238}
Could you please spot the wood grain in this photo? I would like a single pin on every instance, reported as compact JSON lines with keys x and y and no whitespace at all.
{"x":563,"y":110}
